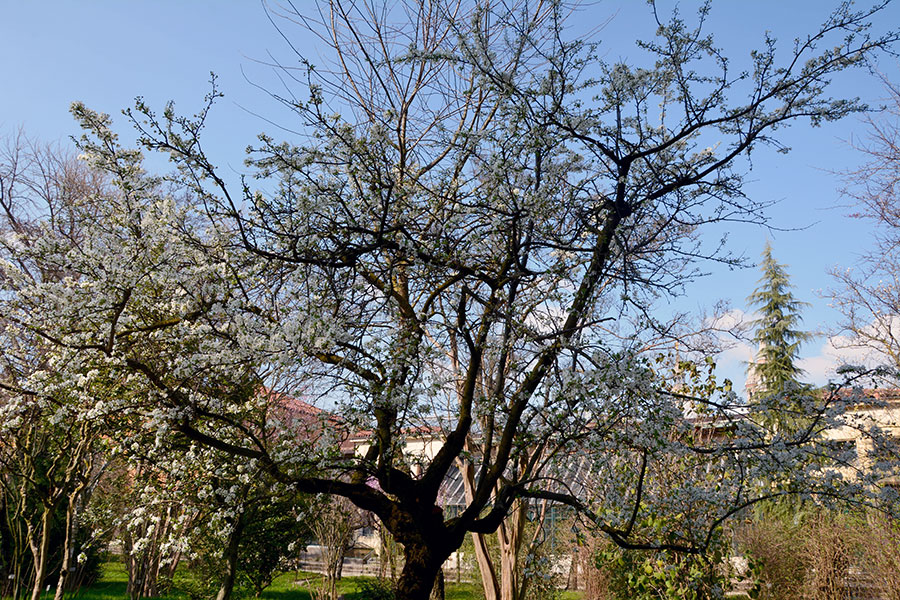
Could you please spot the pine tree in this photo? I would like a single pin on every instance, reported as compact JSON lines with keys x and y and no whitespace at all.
{"x":776,"y":331}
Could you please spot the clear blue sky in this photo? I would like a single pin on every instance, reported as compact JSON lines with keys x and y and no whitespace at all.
{"x":105,"y":53}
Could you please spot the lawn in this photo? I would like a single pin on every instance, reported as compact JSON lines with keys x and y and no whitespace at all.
{"x":289,"y":586}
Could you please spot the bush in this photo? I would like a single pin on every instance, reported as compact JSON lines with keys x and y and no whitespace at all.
{"x":87,"y":568}
{"x":830,"y":545}
{"x":819,"y":554}
{"x":377,"y":589}
{"x":664,"y":575}
{"x":769,"y":540}
{"x":882,"y":554}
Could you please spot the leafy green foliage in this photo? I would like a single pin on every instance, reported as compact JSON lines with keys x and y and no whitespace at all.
{"x":87,"y":567}
{"x":661,"y":575}
{"x":775,"y":375}
{"x":274,"y":528}
{"x":665,"y":575}
{"x":777,"y":329}
{"x":377,"y":589}
{"x":272,"y":532}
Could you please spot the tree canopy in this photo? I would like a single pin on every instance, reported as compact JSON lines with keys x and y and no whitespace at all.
{"x":466,"y":238}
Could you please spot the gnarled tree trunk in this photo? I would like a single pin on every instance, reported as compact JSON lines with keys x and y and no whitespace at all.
{"x":419,"y":572}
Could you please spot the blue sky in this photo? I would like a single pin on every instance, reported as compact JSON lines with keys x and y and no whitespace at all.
{"x":105,"y":53}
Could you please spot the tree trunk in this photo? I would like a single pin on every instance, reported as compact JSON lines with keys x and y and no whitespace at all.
{"x":231,"y":559}
{"x":335,"y":566}
{"x":40,"y":553}
{"x":437,"y":592}
{"x":68,"y":550}
{"x":485,"y":566}
{"x":144,"y":567}
{"x":419,"y":572}
{"x":510,"y":537}
{"x":18,"y":544}
{"x":486,"y":569}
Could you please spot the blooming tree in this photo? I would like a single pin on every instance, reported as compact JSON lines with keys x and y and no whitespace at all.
{"x":50,"y":454}
{"x":467,"y":239}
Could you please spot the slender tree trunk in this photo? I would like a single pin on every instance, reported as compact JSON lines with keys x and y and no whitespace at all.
{"x":489,"y":582}
{"x":231,"y":559}
{"x":510,"y":535}
{"x":130,"y":566}
{"x":18,"y":545}
{"x":143,"y":568}
{"x":40,"y":553}
{"x":335,"y":565}
{"x":135,"y":565}
{"x":160,"y":534}
{"x":172,"y":565}
{"x":485,"y":566}
{"x":572,"y":578}
{"x":68,"y":550}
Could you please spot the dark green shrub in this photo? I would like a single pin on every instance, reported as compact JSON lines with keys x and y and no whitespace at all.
{"x":376,"y":589}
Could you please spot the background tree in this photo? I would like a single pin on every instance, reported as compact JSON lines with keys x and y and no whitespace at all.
{"x":277,"y":528}
{"x":50,"y":451}
{"x":776,"y":330}
{"x":333,"y":527}
{"x":468,"y":238}
{"x":774,"y":375}
{"x":867,"y":294}
{"x":517,"y":544}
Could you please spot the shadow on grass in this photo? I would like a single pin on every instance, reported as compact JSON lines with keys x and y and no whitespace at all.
{"x":102,"y":590}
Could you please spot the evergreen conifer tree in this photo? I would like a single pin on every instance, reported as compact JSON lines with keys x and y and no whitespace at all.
{"x":776,"y":331}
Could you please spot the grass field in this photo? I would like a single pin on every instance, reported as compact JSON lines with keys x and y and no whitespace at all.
{"x":289,"y":586}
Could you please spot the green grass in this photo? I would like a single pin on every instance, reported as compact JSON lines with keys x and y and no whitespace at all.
{"x":289,"y":586}
{"x":112,"y":585}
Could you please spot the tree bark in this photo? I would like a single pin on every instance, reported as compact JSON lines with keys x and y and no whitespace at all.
{"x":419,"y":573}
{"x":18,"y":542}
{"x":489,"y":583}
{"x":231,"y":559}
{"x":40,"y":553}
{"x":510,"y":536}
{"x":437,"y":592}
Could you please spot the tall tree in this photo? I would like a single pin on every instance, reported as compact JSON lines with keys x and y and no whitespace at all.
{"x":868,"y":294}
{"x":467,"y":238}
{"x":776,"y":331}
